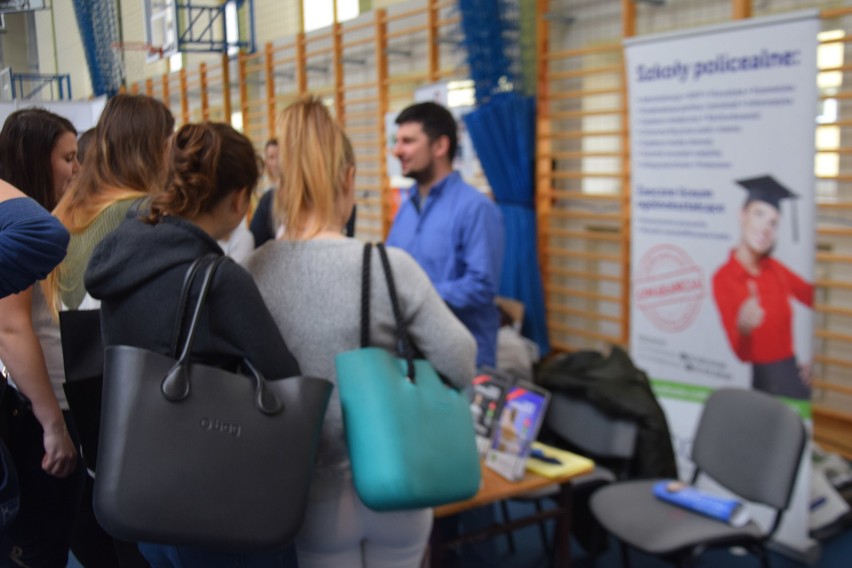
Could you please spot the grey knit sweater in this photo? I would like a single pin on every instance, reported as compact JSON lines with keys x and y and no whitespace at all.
{"x":313,"y":290}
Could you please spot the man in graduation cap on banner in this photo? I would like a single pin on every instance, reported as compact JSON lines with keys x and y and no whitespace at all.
{"x":753,"y":291}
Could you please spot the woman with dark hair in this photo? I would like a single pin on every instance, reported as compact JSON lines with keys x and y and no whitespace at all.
{"x":38,"y":154}
{"x":138,"y":271}
{"x":125,"y":163}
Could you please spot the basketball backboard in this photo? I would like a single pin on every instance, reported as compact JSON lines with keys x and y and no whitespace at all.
{"x":7,"y":6}
{"x":161,"y":28}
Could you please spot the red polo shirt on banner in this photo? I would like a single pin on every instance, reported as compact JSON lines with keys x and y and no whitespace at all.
{"x":773,"y":339}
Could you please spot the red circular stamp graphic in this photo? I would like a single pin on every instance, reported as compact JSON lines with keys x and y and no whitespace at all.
{"x":668,"y":288}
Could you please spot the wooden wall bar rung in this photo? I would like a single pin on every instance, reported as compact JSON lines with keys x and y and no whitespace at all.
{"x":833,"y":361}
{"x":403,"y":15}
{"x":584,"y":333}
{"x":359,"y":41}
{"x":252,"y":115}
{"x":361,"y":100}
{"x":585,"y":113}
{"x":404,"y":79}
{"x":369,"y":215}
{"x":836,"y":205}
{"x":826,"y":385}
{"x":581,"y":94}
{"x":446,"y":22}
{"x":584,"y":275}
{"x":834,"y":232}
{"x":582,"y":195}
{"x":585,"y":314}
{"x":832,"y":310}
{"x":832,"y":257}
{"x":361,"y":114}
{"x":842,"y":68}
{"x":358,"y":87}
{"x":584,"y":235}
{"x":573,"y":214}
{"x":319,"y":51}
{"x":583,"y":255}
{"x":831,"y":13}
{"x":257,"y":68}
{"x":577,"y":155}
{"x":357,"y":26}
{"x":585,"y":72}
{"x":588,"y":175}
{"x":833,"y":335}
{"x":834,"y":284}
{"x":441,"y":73}
{"x":409,"y":31}
{"x":843,"y":178}
{"x":320,"y":35}
{"x":582,"y":134}
{"x":572,"y":53}
{"x":839,"y":40}
{"x":284,"y":46}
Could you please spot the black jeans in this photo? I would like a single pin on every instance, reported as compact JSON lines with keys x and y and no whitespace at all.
{"x":40,"y":536}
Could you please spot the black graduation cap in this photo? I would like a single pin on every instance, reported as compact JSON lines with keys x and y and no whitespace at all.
{"x":767,"y":189}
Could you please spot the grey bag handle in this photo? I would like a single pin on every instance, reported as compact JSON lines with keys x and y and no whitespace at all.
{"x":176,"y":384}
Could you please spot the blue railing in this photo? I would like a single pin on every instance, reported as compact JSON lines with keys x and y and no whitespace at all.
{"x":28,"y":86}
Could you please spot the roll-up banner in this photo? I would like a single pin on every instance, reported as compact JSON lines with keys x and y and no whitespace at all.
{"x":722,"y":126}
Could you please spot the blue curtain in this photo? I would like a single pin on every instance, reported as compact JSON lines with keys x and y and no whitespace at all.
{"x":503,"y":134}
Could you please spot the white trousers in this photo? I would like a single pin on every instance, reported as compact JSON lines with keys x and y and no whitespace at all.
{"x":341,"y":532}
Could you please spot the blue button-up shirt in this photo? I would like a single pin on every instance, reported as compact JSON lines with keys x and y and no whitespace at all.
{"x":457,"y":237}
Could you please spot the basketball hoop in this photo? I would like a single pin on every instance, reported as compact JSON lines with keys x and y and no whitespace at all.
{"x":153,"y":52}
{"x":132,"y":56}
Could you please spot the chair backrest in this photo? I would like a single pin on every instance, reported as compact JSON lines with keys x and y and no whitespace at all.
{"x":751,"y":443}
{"x":583,"y":425}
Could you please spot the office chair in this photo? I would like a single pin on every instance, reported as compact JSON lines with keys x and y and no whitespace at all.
{"x":587,"y":430}
{"x":748,"y":442}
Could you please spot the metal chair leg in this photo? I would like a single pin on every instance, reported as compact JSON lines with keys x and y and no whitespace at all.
{"x":510,"y":538}
{"x":625,"y":556}
{"x":542,"y":529}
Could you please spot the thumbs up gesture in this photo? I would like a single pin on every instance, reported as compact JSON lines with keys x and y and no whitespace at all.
{"x":751,"y":313}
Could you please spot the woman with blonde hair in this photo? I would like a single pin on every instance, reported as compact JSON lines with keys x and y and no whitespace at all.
{"x":311,"y":280}
{"x":126,"y":162}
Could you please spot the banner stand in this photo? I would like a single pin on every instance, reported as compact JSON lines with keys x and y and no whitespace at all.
{"x":723,"y":224}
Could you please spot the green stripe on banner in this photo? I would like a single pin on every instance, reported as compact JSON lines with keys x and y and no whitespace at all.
{"x":692,"y":393}
{"x":680,"y":391}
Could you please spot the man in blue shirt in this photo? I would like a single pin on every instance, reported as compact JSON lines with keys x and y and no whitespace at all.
{"x":453,"y":231}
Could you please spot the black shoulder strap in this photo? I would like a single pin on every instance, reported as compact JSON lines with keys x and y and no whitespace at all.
{"x":403,"y":341}
{"x":176,"y":384}
{"x":180,"y":313}
{"x":365,"y":295}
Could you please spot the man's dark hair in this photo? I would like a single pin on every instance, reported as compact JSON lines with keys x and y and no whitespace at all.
{"x":271,"y":142}
{"x":435,"y":120}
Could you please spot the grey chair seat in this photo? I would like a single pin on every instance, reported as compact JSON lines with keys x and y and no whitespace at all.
{"x":746,"y":441}
{"x":630,"y":510}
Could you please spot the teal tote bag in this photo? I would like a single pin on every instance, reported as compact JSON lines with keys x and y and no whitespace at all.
{"x":410,"y":436}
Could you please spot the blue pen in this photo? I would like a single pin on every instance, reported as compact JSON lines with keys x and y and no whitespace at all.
{"x":541,"y":456}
